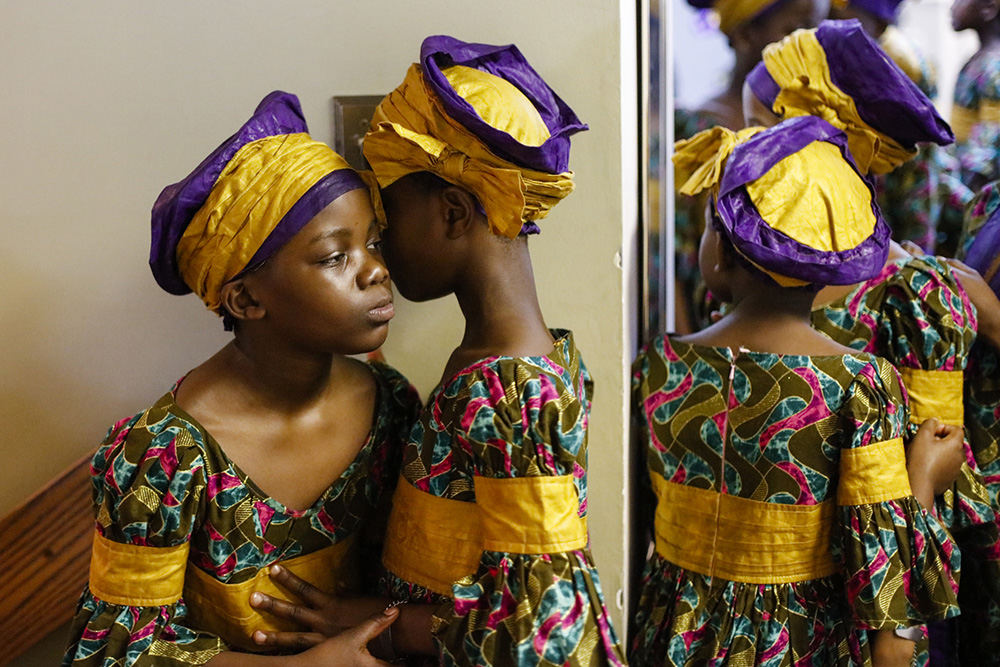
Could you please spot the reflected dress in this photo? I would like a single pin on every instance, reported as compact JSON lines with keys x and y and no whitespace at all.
{"x":771,"y":546}
{"x":163,"y":486}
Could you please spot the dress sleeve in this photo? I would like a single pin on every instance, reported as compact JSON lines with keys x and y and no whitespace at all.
{"x":527,"y":431}
{"x":148,"y":481}
{"x":900,"y":566}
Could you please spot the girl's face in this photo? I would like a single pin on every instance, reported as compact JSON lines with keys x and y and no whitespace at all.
{"x":711,"y":262}
{"x":966,"y":14}
{"x":416,"y":245}
{"x":328,"y":289}
{"x":755,"y":112}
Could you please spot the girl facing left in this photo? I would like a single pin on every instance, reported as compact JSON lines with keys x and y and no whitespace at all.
{"x":279,"y":448}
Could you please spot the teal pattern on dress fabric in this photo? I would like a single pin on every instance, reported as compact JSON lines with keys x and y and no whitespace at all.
{"x":160,"y":480}
{"x":917,"y":315}
{"x":776,"y":431}
{"x":505,"y":417}
{"x":977,"y":89}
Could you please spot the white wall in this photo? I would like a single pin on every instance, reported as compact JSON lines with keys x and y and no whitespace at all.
{"x":106,"y":102}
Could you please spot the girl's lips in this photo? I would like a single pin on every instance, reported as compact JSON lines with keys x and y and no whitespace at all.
{"x":383,"y":313}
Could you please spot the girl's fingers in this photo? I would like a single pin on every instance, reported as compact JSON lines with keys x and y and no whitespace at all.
{"x":301,"y":588}
{"x":298,"y":641}
{"x":284,"y":609}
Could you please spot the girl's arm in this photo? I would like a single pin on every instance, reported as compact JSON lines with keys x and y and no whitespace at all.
{"x":986,"y":302}
{"x":329,"y":616}
{"x":934,"y":458}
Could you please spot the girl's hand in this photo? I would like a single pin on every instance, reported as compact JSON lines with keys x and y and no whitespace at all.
{"x":986,"y":302}
{"x":934,"y":458}
{"x":325,"y":615}
{"x":892,"y":651}
{"x":350,"y":646}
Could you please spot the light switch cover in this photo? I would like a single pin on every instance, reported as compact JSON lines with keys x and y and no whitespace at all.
{"x":351,"y":114}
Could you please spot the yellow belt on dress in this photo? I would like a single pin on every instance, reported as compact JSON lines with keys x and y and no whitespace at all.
{"x":434,"y":542}
{"x":934,"y":394}
{"x":751,"y":541}
{"x":143,"y":576}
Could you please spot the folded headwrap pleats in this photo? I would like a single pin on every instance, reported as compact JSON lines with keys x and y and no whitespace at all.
{"x":411,"y":132}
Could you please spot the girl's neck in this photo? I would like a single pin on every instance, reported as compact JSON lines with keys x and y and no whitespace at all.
{"x":501,"y":309}
{"x":282,"y":377}
{"x":989,"y":36}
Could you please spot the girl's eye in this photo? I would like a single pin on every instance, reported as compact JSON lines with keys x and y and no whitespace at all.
{"x":375,"y":245}
{"x":334,"y":259}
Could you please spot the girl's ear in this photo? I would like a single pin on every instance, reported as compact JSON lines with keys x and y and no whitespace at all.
{"x":459,"y":210}
{"x":238,"y":299}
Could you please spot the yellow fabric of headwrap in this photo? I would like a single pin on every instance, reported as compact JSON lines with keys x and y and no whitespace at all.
{"x":434,"y":541}
{"x":740,"y":539}
{"x":700,"y":160}
{"x":936,"y":394}
{"x":734,"y":13}
{"x":135,"y":575}
{"x":411,"y":132}
{"x":799,"y":67}
{"x":873,"y":473}
{"x":258,"y":186}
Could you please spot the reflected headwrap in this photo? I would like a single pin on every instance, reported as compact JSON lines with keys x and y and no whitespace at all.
{"x":836,"y":72}
{"x":790,"y":199}
{"x":731,"y":14}
{"x":980,"y":246}
{"x":479,"y":117}
{"x":886,"y":10}
{"x":244,"y":201}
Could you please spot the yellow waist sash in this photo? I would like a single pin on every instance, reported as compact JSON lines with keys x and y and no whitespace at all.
{"x":141,"y":576}
{"x":934,"y":394}
{"x":740,"y":539}
{"x":434,"y":541}
{"x":770,"y":543}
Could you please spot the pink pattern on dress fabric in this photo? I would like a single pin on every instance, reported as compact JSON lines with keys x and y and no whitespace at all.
{"x":815,"y":411}
{"x":221,"y":481}
{"x":659,"y":398}
{"x":806,"y":496}
{"x":862,"y":579}
{"x":777,"y":647}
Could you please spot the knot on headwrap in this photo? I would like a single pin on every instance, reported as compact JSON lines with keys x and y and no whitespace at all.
{"x":699,"y":161}
{"x":794,"y":204}
{"x":479,"y":117}
{"x":837,"y":73}
{"x":244,"y":201}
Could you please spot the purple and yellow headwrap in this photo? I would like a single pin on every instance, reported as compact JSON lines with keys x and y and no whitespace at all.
{"x":886,"y":10}
{"x":479,"y":117}
{"x":790,"y":199}
{"x":244,"y":201}
{"x":836,"y":72}
{"x":731,"y":14}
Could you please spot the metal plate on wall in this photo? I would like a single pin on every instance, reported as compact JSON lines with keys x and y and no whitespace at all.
{"x":351,"y":115}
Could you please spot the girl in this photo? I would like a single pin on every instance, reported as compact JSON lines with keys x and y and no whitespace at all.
{"x":785,"y":527}
{"x":277,"y":449}
{"x":489,"y":516}
{"x":913,"y":312}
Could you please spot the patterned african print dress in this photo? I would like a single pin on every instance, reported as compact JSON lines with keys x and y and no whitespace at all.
{"x":784,"y":526}
{"x":488,"y":517}
{"x":975,"y":118}
{"x":917,"y":316}
{"x":174,"y":513}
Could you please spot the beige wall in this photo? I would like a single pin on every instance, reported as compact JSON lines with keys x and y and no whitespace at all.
{"x":105,"y":102}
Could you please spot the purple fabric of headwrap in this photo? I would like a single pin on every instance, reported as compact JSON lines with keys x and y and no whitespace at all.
{"x":441,"y":51}
{"x":772,"y":249}
{"x":885,"y":97}
{"x":763,"y":85}
{"x":985,"y":248}
{"x":887,"y":10}
{"x":278,"y":113}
